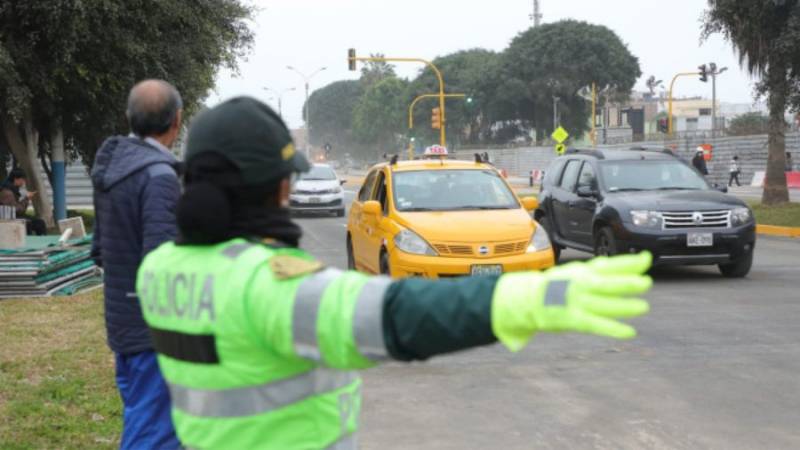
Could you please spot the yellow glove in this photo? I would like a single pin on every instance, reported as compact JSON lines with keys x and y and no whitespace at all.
{"x":578,"y":297}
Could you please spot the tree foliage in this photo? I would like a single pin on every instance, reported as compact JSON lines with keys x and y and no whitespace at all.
{"x":373,"y":72}
{"x":332,"y":113}
{"x":69,"y":64}
{"x":748,"y":124}
{"x":378,"y":116}
{"x":557,"y":59}
{"x":766,"y":35}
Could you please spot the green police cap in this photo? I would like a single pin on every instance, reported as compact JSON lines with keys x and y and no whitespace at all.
{"x":251,"y":135}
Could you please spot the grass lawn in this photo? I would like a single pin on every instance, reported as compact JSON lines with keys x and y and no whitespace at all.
{"x":787,"y":215}
{"x":57,"y":375}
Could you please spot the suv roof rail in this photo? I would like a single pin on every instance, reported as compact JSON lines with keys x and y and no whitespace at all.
{"x":579,"y":151}
{"x":651,"y":149}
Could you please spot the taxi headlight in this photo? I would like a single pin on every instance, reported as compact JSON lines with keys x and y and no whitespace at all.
{"x":741,"y":216}
{"x":646,"y":219}
{"x":539,"y":241}
{"x":410,"y":242}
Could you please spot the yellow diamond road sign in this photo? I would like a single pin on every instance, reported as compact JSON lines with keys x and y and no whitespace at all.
{"x":560,"y":135}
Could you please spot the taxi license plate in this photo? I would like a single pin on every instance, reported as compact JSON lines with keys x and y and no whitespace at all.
{"x":700,"y":240}
{"x":486,"y":269}
{"x":314,"y":200}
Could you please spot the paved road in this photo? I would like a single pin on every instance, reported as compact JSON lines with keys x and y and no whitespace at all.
{"x":717,"y":365}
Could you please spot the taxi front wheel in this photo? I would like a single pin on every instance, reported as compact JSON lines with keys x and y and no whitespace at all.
{"x":384,"y":261}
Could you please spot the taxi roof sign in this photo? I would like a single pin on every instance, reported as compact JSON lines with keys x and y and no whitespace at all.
{"x":436,"y":150}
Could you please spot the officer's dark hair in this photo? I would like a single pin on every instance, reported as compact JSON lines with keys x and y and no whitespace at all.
{"x":16,"y":174}
{"x":153,"y":106}
{"x":216,"y":199}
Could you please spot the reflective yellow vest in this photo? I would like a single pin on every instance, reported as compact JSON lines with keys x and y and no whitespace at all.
{"x":256,"y":344}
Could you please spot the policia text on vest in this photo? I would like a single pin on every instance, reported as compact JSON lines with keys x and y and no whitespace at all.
{"x":259,"y":360}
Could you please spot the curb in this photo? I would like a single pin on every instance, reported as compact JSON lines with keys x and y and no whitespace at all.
{"x":772,"y":230}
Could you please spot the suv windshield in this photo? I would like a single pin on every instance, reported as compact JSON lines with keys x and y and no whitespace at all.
{"x":451,"y":190}
{"x":649,"y":175}
{"x":319,"y":173}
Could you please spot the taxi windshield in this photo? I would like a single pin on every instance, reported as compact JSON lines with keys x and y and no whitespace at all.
{"x":451,"y":190}
{"x":650,"y":176}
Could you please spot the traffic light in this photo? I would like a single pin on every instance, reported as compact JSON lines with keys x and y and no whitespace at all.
{"x":351,"y":59}
{"x":663,"y":125}
{"x":436,"y":118}
{"x":703,"y":73}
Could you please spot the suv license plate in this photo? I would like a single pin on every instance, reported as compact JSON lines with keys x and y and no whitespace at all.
{"x":483,"y":270}
{"x":700,"y":239}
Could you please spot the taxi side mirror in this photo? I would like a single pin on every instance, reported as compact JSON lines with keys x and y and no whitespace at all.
{"x":372,"y":208}
{"x":530,"y":203}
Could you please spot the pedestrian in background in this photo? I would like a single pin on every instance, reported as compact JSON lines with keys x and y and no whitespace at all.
{"x":735,"y":170}
{"x":11,"y":196}
{"x":699,"y":163}
{"x":136,"y":190}
{"x":789,"y":164}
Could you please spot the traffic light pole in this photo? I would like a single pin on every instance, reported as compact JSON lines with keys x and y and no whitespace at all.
{"x":441,"y":95}
{"x":411,"y":106}
{"x":671,"y":86}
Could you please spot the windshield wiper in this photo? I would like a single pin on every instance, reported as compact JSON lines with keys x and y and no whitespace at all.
{"x":625,"y":190}
{"x":418,"y":209}
{"x":676,"y":188}
{"x":481,"y":208}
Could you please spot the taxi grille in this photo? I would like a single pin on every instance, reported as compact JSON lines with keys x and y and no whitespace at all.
{"x":505,"y":248}
{"x":696,"y":219}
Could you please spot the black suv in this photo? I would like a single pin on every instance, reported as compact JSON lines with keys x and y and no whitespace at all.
{"x":610,"y":202}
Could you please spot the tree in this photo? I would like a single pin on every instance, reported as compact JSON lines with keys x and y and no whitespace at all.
{"x":373,"y":72}
{"x":332,"y":112}
{"x":66,"y":67}
{"x":557,"y":59}
{"x":766,"y":35}
{"x":472,"y":72}
{"x":378,"y":116}
{"x":748,"y":124}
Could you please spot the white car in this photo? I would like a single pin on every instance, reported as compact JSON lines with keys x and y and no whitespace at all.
{"x":318,"y":190}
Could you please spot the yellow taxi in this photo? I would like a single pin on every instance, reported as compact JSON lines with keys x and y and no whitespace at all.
{"x":442,"y":218}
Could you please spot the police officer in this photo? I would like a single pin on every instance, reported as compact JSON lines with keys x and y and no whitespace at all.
{"x":257,"y":340}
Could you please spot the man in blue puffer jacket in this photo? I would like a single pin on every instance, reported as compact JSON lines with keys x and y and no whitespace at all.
{"x":136,"y":190}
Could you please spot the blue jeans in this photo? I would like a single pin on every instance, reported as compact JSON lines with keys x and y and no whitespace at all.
{"x":147,"y":423}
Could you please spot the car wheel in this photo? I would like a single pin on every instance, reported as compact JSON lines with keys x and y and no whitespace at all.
{"x":604,"y":242}
{"x":384,"y":262}
{"x":351,"y":260}
{"x":739,"y":268}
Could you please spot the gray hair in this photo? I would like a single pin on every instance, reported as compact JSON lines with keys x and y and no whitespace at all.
{"x":153,"y":106}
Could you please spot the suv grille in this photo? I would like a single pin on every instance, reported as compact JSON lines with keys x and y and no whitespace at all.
{"x":697,"y":219}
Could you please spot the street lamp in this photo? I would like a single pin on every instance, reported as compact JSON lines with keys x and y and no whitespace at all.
{"x":306,"y":79}
{"x":714,"y":71}
{"x":279,"y":96}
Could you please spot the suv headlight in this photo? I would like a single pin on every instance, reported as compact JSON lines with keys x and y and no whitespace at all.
{"x":411,"y":242}
{"x":741,"y":216}
{"x":646,"y":219}
{"x":539,"y":241}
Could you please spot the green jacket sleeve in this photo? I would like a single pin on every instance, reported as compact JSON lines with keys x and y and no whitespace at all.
{"x":423,"y":318}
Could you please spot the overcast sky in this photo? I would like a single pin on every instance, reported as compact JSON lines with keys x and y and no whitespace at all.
{"x":310,"y":34}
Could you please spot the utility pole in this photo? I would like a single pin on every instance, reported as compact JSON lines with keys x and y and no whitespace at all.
{"x":555,"y":112}
{"x":307,"y":78}
{"x":537,"y":15}
{"x":713,"y":71}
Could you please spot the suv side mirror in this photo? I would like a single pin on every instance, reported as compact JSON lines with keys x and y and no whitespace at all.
{"x":342,"y":182}
{"x":721,"y":188}
{"x":586,"y":191}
